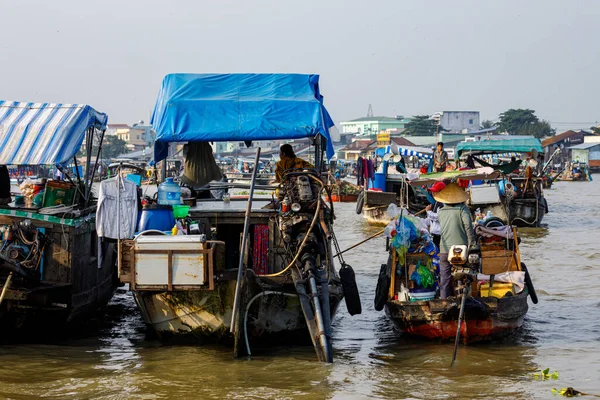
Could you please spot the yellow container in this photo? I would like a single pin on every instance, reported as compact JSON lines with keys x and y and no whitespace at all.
{"x":499,"y":290}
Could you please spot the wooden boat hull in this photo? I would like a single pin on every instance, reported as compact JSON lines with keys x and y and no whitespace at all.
{"x":205,"y":316}
{"x":72,"y":288}
{"x":528,"y":212}
{"x":486,"y":318}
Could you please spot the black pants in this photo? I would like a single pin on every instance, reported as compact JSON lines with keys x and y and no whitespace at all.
{"x":436,"y":239}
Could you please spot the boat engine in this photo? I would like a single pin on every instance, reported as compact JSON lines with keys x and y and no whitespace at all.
{"x":298,"y":200}
{"x":22,"y":248}
{"x":466,"y":263}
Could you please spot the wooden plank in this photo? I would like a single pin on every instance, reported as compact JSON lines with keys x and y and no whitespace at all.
{"x":392,"y":291}
{"x":170,"y":270}
{"x":497,"y":265}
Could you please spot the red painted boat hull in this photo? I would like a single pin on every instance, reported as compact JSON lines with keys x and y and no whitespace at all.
{"x":486,"y":318}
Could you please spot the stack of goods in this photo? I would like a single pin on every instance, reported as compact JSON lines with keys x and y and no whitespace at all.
{"x":344,"y":191}
{"x":415,"y":249}
{"x":32,"y":191}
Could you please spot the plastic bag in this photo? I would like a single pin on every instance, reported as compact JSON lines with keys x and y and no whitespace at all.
{"x":422,"y":277}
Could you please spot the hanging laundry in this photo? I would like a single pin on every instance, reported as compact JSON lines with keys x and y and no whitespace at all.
{"x":260,"y":250}
{"x":110,"y":201}
{"x":360,"y":179}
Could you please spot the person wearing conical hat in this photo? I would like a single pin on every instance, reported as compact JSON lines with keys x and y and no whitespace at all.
{"x":457,"y":229}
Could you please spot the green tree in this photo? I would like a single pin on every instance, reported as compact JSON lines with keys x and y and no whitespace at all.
{"x":486,"y":123}
{"x":112,"y":146}
{"x":595,"y":130}
{"x":515,"y":121}
{"x":422,"y":125}
{"x":523,"y":122}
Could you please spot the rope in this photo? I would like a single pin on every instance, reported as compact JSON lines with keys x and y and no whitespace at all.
{"x":310,"y":228}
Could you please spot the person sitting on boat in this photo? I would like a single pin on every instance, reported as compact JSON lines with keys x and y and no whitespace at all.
{"x":288,"y":160}
{"x":456,"y":227}
{"x":440,"y":158}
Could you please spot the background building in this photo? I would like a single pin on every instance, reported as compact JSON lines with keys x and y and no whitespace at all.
{"x":458,"y":121}
{"x":374,"y":125}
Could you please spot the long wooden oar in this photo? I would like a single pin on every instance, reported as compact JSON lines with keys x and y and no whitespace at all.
{"x":461,"y":315}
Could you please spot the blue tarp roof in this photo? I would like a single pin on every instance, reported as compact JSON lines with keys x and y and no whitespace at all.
{"x":521,"y":145}
{"x":44,"y":133}
{"x":239,"y":107}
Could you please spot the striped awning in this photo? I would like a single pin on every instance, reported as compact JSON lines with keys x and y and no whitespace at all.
{"x":44,"y":133}
{"x":420,"y":152}
{"x":498,"y":155}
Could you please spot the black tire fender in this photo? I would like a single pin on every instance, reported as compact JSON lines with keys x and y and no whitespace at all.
{"x":383,"y":287}
{"x":360,"y":202}
{"x":350,"y":289}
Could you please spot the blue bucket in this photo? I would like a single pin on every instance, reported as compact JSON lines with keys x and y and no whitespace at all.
{"x":379,"y":181}
{"x":156,"y":217}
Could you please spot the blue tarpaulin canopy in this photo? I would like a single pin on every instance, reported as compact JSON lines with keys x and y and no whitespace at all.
{"x":521,"y":145}
{"x":44,"y":133}
{"x":239,"y":107}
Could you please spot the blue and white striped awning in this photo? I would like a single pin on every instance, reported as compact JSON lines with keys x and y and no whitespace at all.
{"x":420,"y":152}
{"x":497,"y":155}
{"x":44,"y":133}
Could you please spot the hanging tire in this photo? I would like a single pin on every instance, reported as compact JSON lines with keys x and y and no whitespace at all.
{"x":350,"y":290}
{"x":529,"y":284}
{"x":360,"y":202}
{"x":383,"y":288}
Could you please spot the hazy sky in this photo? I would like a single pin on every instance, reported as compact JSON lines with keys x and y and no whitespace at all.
{"x":403,"y":57}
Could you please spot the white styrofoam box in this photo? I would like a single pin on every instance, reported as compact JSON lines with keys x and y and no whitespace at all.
{"x":152,"y":268}
{"x":484,"y":194}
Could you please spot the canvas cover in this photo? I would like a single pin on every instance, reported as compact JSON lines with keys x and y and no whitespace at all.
{"x":44,"y":133}
{"x":239,"y":107}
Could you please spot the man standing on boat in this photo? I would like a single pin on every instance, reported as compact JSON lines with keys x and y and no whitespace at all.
{"x":440,"y":158}
{"x":288,"y":160}
{"x":456,"y":227}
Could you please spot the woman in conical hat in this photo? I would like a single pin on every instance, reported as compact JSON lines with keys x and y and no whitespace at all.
{"x":456,"y":227}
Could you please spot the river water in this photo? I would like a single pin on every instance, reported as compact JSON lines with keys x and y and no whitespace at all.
{"x":117,"y":360}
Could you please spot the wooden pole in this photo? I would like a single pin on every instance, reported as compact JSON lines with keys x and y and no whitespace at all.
{"x":234,"y":328}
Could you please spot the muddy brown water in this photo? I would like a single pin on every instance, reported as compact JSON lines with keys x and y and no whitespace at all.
{"x":117,"y":360}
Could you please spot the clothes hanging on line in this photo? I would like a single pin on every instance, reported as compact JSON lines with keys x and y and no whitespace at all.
{"x":110,"y":201}
{"x":360,"y":179}
{"x":200,"y":167}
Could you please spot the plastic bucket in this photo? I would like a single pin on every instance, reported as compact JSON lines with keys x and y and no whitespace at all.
{"x":156,"y":217}
{"x":379,"y":181}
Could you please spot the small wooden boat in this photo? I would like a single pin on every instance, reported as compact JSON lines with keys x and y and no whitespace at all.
{"x":575,"y":172}
{"x":50,"y":277}
{"x":493,"y":309}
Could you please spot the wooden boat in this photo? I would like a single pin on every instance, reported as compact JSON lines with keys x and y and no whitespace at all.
{"x":49,"y":272}
{"x":489,"y":314}
{"x":253,"y":270}
{"x":575,"y":172}
{"x":518,"y":199}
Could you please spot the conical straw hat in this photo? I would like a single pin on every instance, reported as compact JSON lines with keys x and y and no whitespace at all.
{"x":451,"y":194}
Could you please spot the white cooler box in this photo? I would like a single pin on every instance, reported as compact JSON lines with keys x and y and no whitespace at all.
{"x":484,"y":194}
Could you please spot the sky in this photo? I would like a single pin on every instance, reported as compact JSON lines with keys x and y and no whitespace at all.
{"x":402,"y":57}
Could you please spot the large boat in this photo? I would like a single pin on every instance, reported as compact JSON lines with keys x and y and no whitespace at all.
{"x":391,"y":184}
{"x":50,"y":277}
{"x":253,"y":270}
{"x":491,"y":286}
{"x":516,"y":197}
